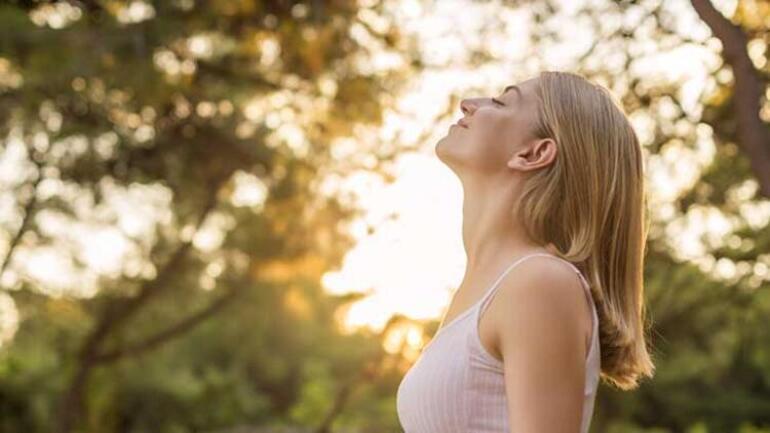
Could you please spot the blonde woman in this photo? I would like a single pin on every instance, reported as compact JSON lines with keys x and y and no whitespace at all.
{"x":554,"y":228}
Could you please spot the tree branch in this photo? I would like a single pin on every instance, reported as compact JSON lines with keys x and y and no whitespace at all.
{"x":753,"y":134}
{"x":116,"y":313}
{"x":29,"y":213}
{"x":169,"y":333}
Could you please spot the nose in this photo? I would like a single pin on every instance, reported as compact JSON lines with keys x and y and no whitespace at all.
{"x":468,"y":106}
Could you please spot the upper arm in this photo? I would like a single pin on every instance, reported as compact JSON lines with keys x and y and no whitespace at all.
{"x":541,"y":330}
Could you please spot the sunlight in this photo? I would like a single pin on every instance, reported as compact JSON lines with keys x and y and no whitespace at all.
{"x":412,"y":266}
{"x":406,"y":339}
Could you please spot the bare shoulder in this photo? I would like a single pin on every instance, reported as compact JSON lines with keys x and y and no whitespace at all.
{"x":541,"y":299}
{"x":541,"y":327}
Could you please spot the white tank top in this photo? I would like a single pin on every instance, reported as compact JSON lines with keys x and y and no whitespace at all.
{"x":456,"y":386}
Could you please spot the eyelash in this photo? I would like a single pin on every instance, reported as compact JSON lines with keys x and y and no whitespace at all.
{"x":497,"y":102}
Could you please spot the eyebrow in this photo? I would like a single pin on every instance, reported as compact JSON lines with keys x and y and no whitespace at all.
{"x":514,"y":87}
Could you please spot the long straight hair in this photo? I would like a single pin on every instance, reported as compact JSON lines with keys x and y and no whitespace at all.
{"x":591,"y":205}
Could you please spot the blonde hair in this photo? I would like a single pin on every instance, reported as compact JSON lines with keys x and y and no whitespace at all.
{"x":591,"y":205}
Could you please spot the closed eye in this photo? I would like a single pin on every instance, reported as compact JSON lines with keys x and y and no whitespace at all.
{"x":496,"y":101}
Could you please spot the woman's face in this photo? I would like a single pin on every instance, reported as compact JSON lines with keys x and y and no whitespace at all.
{"x":492,"y":128}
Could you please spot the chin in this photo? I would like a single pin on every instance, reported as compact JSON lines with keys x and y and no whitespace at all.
{"x":441,"y":149}
{"x":452,"y":161}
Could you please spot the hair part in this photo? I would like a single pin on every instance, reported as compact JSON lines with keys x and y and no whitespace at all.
{"x":591,"y":205}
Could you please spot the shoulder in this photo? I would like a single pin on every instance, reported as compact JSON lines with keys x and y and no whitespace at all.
{"x":541,"y":326}
{"x":542,"y":302}
{"x":543,"y":281}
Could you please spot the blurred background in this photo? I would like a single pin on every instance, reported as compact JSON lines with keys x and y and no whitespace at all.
{"x":227,"y":215}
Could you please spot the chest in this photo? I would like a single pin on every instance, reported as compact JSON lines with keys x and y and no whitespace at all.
{"x":432,"y":395}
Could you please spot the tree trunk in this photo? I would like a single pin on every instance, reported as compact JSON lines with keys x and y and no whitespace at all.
{"x":72,"y":408}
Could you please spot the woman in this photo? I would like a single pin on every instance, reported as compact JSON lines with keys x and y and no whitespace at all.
{"x":553,"y":185}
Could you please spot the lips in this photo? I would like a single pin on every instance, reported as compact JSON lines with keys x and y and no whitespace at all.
{"x":462,"y":123}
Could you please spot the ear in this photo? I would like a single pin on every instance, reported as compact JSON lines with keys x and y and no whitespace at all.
{"x":535,"y":155}
{"x":541,"y":148}
{"x":520,"y":158}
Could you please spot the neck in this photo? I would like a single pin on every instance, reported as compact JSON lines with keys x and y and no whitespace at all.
{"x":491,"y":235}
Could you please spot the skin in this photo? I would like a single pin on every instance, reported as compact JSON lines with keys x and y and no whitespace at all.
{"x":538,"y":323}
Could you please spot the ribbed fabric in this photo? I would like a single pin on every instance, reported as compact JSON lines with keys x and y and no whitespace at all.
{"x":456,"y":386}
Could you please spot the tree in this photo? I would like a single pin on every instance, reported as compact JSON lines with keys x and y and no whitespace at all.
{"x":190,"y":99}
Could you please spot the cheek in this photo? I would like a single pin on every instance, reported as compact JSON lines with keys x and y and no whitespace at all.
{"x":491,"y":131}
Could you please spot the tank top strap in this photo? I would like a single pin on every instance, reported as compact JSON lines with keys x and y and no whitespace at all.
{"x":582,"y":278}
{"x":487,"y":296}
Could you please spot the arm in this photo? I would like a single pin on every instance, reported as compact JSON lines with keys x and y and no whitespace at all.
{"x":541,"y":332}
